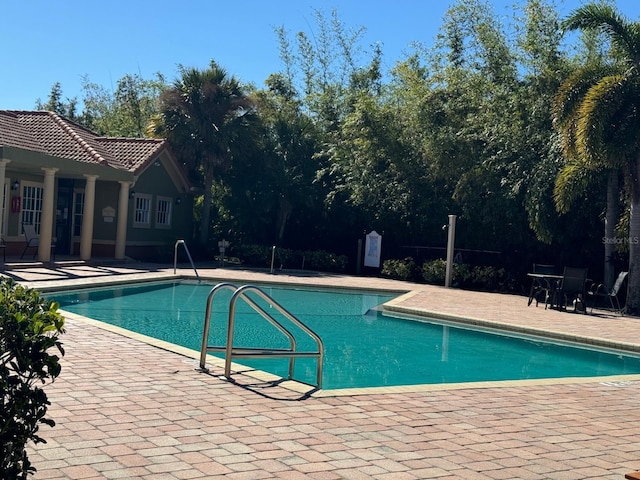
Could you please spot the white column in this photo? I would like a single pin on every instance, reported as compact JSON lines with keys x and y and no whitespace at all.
{"x":86,"y":236}
{"x":3,"y":169}
{"x":46,"y":221}
{"x":121,"y":229}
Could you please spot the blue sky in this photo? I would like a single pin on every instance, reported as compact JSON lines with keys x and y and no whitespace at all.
{"x":44,"y":42}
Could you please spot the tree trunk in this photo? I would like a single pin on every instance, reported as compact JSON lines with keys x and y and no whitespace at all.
{"x":205,"y":220}
{"x":633,"y":292}
{"x":284,"y":212}
{"x":610,"y":220}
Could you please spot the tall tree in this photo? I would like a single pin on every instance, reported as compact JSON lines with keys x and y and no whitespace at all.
{"x":326,"y":62}
{"x":374,"y":165}
{"x":290,"y":142}
{"x":545,"y":67}
{"x":124,"y":112}
{"x":56,"y":104}
{"x":205,"y":115}
{"x":477,"y":113}
{"x":607,"y":123}
{"x":325,"y":73}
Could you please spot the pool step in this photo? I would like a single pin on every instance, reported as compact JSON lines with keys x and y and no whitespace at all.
{"x":375,"y":311}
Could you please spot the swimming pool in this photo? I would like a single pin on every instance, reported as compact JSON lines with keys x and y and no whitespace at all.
{"x":363,"y":347}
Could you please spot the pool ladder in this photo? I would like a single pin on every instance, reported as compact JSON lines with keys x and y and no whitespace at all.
{"x":250,"y":352}
{"x":175,"y":257}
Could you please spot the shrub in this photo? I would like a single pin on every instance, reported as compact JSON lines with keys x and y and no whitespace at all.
{"x":323,"y":261}
{"x":434,"y":272}
{"x":485,"y":278}
{"x":29,"y":327}
{"x":260,"y":256}
{"x":257,"y":255}
{"x":399,"y":269}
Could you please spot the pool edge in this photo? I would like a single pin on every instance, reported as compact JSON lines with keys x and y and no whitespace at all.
{"x":395,"y":307}
{"x":307,"y":390}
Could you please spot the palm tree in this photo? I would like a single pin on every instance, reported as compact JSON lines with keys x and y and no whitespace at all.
{"x":205,"y":115}
{"x":605,"y":130}
{"x":579,"y":172}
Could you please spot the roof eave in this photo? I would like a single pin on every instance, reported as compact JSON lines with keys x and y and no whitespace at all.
{"x":21,"y":159}
{"x":170,"y":163}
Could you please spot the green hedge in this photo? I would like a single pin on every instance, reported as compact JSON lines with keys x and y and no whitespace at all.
{"x":464,"y":276}
{"x":405,"y":269}
{"x":434,"y":273}
{"x":260,"y":256}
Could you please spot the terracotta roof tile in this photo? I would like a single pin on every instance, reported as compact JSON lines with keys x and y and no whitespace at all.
{"x":49,"y":133}
{"x":133,"y":152}
{"x":13,"y":133}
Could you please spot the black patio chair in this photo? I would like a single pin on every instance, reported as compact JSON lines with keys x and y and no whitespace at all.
{"x":602,"y":291}
{"x":571,"y":290}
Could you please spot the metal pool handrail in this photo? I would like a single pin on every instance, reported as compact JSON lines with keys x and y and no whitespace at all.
{"x":247,"y":352}
{"x":175,"y":257}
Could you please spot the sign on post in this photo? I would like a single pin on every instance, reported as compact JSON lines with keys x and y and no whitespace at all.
{"x":372,"y":250}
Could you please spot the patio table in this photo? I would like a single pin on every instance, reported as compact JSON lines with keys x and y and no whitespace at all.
{"x":545,"y":281}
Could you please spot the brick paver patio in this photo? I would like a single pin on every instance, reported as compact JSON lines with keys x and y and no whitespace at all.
{"x":126,"y":409}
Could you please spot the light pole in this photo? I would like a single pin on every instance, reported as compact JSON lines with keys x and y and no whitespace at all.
{"x":451,"y":238}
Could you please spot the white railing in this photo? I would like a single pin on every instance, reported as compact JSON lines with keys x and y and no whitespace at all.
{"x":250,"y":352}
{"x":175,"y":257}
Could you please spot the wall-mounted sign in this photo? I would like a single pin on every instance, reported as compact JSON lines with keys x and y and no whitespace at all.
{"x":108,"y":214}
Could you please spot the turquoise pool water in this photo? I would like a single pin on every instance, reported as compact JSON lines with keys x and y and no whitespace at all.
{"x":363,"y":348}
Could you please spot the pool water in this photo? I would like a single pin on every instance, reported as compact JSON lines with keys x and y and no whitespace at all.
{"x":363,"y":348}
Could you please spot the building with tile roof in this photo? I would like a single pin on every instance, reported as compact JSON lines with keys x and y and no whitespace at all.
{"x":53,"y":171}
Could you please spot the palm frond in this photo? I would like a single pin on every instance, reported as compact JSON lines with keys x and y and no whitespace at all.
{"x":571,"y":92}
{"x":568,"y":100}
{"x":607,"y":116}
{"x":571,"y":183}
{"x":156,"y":127}
{"x":624,"y":35}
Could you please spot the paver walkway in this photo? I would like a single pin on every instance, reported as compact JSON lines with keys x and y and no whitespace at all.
{"x":125,"y":409}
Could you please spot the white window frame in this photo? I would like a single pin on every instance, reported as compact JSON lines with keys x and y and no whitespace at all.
{"x":142,"y":210}
{"x":163,"y":215}
{"x":31,"y":206}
